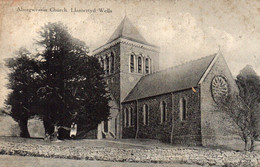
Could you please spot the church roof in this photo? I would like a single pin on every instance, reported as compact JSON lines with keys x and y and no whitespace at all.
{"x":127,"y":30}
{"x":173,"y":79}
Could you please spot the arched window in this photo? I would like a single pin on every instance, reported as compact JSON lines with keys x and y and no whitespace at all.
{"x":112,"y":62}
{"x":132,"y":64}
{"x":147,"y":66}
{"x":139,"y":64}
{"x":101,"y":61}
{"x":126,"y":118}
{"x":183,"y":109}
{"x":107,"y":65}
{"x":163,"y":112}
{"x":131,"y":118}
{"x":145,"y":114}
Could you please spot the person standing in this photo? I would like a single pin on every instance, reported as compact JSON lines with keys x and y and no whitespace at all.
{"x":73,"y":130}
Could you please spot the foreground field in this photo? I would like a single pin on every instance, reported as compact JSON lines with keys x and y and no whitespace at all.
{"x":17,"y":161}
{"x":144,"y":151}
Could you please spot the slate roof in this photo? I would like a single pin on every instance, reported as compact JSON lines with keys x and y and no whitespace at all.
{"x":173,"y":79}
{"x":127,"y":30}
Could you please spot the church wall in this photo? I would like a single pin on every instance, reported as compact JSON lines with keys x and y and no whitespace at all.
{"x":130,"y":131}
{"x":113,"y":79}
{"x":129,"y":80}
{"x":126,"y":49}
{"x":155,"y":129}
{"x":215,"y":130}
{"x":187,"y":132}
{"x":184,"y":132}
{"x":113,"y":83}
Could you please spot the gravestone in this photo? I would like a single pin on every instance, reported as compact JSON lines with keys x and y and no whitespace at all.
{"x":36,"y":128}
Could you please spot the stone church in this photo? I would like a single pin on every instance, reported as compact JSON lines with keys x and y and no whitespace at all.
{"x":176,"y":105}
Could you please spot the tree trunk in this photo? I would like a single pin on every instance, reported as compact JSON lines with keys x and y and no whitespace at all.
{"x":48,"y":126}
{"x":252,"y":147}
{"x":24,"y":128}
{"x":246,"y":143}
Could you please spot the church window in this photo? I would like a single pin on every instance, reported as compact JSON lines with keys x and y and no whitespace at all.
{"x":131,"y":119}
{"x":139,"y":65}
{"x":163,"y":112}
{"x":147,"y":68}
{"x":145,"y":114}
{"x":132,"y":63}
{"x":107,"y":65}
{"x":101,"y":63}
{"x":112,"y":62}
{"x":126,"y":117}
{"x":183,"y":109}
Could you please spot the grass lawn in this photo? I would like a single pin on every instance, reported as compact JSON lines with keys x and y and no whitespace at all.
{"x":17,"y":161}
{"x":112,"y":143}
{"x":122,"y":143}
{"x":90,"y":143}
{"x":127,"y":150}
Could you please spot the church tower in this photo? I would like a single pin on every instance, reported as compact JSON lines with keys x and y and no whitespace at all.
{"x":126,"y":57}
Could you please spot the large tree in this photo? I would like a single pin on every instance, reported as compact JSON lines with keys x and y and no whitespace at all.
{"x":23,"y":84}
{"x":73,"y":89}
{"x":249,"y":91}
{"x":243,"y":107}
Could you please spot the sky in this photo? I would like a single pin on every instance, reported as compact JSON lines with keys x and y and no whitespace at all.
{"x":183,"y":29}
